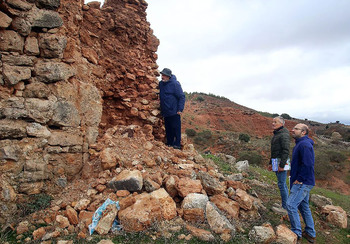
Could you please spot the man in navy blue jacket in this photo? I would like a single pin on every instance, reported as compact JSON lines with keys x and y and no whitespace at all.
{"x":172,"y":103}
{"x":302,"y":180}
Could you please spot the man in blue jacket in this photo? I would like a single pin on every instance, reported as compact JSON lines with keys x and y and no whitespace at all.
{"x":302,"y":180}
{"x":172,"y":103}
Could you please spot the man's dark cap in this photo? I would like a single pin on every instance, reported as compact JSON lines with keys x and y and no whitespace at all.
{"x":166,"y":72}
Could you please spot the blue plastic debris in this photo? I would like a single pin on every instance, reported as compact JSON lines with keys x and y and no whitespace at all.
{"x":98,"y":213}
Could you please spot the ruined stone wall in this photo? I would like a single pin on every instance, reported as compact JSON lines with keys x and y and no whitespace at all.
{"x":69,"y":71}
{"x":114,"y":48}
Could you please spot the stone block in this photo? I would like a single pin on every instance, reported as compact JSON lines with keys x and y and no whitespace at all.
{"x":52,"y":46}
{"x":14,"y":74}
{"x":5,"y":20}
{"x":11,"y":41}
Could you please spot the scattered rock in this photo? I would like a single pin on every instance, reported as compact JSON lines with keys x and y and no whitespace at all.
{"x":127,"y":180}
{"x":201,"y":234}
{"x":285,"y":235}
{"x":185,"y":186}
{"x":262,"y":234}
{"x":107,"y":219}
{"x":320,"y":201}
{"x":217,"y":222}
{"x":242,"y":165}
{"x":335,"y":215}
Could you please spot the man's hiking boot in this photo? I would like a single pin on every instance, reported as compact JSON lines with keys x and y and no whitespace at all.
{"x":308,"y":237}
{"x":299,"y":240}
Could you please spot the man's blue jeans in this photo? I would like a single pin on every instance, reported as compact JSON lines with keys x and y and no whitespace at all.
{"x":299,"y":199}
{"x":282,"y":185}
{"x":173,"y":130}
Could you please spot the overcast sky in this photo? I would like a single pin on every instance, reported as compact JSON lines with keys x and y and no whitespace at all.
{"x":276,"y":56}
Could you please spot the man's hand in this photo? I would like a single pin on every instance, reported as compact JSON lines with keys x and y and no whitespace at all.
{"x":269,"y":168}
{"x":296,"y":182}
{"x":280,"y":169}
{"x":179,"y":112}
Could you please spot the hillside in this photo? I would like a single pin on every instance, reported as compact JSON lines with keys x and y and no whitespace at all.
{"x":227,"y":120}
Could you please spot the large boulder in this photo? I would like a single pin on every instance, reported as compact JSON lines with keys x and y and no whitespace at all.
{"x":194,"y":205}
{"x":244,"y":199}
{"x":262,"y":234}
{"x":335,"y":215}
{"x":320,"y":201}
{"x":185,"y":186}
{"x":218,"y":222}
{"x":242,"y":165}
{"x":167,"y":204}
{"x":285,"y":235}
{"x":142,"y":214}
{"x":211,"y":185}
{"x":226,"y":205}
{"x":127,"y":180}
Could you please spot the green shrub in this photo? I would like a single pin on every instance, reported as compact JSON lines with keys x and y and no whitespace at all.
{"x":199,"y":140}
{"x":322,"y":165}
{"x":199,"y":99}
{"x":244,"y":137}
{"x":206,"y":134}
{"x":35,"y":203}
{"x":286,"y":116}
{"x":190,"y":132}
{"x":253,"y":157}
{"x":219,"y":162}
{"x":202,"y":137}
{"x":335,"y":156}
{"x":267,"y":114}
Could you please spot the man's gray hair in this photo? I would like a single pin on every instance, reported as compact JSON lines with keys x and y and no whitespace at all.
{"x":281,"y":119}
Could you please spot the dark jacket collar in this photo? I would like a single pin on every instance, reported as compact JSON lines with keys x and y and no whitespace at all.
{"x":278,"y":129}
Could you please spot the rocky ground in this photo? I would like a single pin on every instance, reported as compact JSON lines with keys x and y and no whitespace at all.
{"x":166,"y":190}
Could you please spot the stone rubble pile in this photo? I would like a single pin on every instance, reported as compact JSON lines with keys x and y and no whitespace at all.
{"x":158,"y":187}
{"x":153,"y":184}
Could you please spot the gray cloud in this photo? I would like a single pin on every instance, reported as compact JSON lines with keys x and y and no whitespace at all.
{"x":274,"y":56}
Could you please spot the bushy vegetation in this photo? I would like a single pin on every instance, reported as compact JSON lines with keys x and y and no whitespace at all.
{"x":286,"y":116}
{"x":203,"y":137}
{"x":253,"y":157}
{"x":324,"y":160}
{"x":189,"y":95}
{"x":35,"y":203}
{"x":244,"y":137}
{"x":190,"y":132}
{"x":199,"y":99}
{"x":335,"y":156}
{"x":322,"y":165}
{"x":267,"y":114}
{"x":225,"y":167}
{"x":206,"y":134}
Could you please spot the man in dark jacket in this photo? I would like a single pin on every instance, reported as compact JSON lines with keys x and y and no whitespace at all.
{"x":280,"y":144}
{"x":302,"y":180}
{"x":172,"y":103}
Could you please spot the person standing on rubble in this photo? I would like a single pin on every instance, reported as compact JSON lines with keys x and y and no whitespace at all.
{"x":172,"y":104}
{"x":302,"y":180}
{"x":280,"y":144}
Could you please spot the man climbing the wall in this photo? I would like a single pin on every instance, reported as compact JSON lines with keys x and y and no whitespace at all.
{"x":172,"y":103}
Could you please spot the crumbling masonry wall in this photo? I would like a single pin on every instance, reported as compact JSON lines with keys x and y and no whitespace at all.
{"x":68,"y":72}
